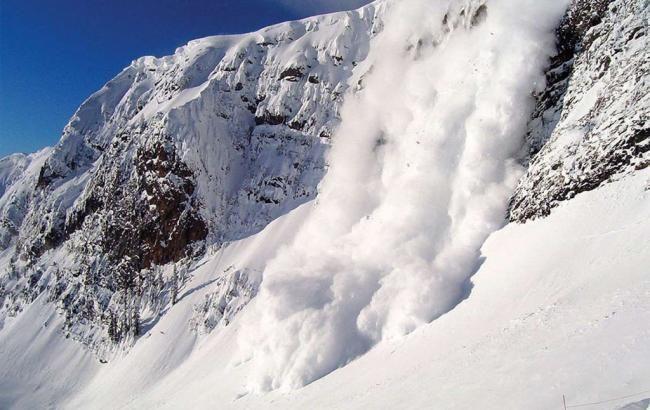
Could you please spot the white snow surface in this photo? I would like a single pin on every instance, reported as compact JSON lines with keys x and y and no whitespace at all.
{"x":14,"y":192}
{"x":558,"y":306}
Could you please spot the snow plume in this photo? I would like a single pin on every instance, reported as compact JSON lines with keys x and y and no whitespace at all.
{"x":420,"y":174}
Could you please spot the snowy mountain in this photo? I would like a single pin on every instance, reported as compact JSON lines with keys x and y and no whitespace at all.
{"x":412,"y":204}
{"x":173,"y":156}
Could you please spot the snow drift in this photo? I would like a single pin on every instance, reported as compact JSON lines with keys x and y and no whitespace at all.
{"x":420,"y":174}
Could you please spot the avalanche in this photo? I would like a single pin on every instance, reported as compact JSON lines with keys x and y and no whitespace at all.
{"x":420,"y":174}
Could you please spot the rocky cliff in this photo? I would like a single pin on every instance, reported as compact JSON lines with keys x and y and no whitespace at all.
{"x":591,"y":123}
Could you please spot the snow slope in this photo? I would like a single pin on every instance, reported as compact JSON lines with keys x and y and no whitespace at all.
{"x":558,"y":306}
{"x":183,"y":246}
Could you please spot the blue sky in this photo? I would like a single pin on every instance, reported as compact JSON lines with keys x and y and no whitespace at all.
{"x":54,"y":54}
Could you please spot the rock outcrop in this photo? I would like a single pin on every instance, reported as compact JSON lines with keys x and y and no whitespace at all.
{"x":591,"y":123}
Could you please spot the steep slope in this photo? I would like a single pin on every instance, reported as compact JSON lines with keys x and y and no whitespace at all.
{"x":420,"y":175}
{"x":555,"y":310}
{"x":18,"y":175}
{"x":591,"y":125}
{"x":186,"y":232}
{"x":174,"y":155}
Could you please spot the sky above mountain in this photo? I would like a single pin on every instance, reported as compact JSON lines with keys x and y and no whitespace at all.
{"x":53,"y":55}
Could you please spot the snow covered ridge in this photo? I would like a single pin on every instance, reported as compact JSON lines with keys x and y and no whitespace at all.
{"x":174,"y":155}
{"x":150,"y":213}
{"x":592,"y":124}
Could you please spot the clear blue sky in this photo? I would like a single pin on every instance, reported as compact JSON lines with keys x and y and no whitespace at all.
{"x":55,"y":53}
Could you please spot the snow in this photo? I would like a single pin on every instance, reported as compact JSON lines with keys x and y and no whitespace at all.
{"x":586,"y":103}
{"x":556,"y":307}
{"x":208,"y":98}
{"x":38,"y":365}
{"x":214,"y":106}
{"x":18,"y":174}
{"x":419,"y":175}
{"x":391,"y":282}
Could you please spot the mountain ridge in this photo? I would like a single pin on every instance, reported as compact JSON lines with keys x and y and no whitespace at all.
{"x":228,"y":147}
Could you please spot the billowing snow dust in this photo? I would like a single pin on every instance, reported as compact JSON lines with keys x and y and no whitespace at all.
{"x":420,"y":174}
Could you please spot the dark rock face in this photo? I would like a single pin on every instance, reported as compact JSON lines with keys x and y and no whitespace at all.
{"x":591,"y":123}
{"x":138,"y":211}
{"x":147,"y":210}
{"x":146,"y":205}
{"x":169,"y":223}
{"x":571,"y":40}
{"x":270,"y":119}
{"x":292,"y":74}
{"x":46,"y":176}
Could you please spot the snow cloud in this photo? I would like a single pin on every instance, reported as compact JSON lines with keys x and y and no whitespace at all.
{"x":420,"y":174}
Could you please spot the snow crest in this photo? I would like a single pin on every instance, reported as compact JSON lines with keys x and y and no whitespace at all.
{"x":420,"y":174}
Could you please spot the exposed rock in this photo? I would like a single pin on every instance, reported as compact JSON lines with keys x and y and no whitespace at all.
{"x":292,"y":74}
{"x":591,"y":122}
